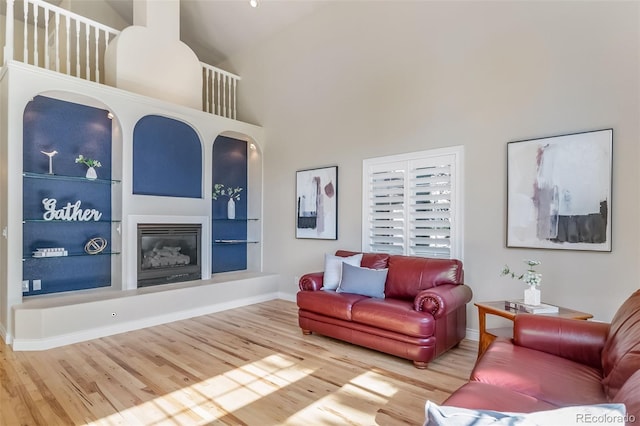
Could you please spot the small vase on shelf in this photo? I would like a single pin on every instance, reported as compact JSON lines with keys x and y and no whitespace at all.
{"x":231,"y":209}
{"x":532,"y":296}
{"x":91,"y":173}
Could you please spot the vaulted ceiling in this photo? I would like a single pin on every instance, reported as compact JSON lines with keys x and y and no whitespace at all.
{"x":217,"y":29}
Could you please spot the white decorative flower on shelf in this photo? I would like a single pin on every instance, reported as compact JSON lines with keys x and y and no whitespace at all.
{"x":219,"y":190}
{"x":530,"y":277}
{"x":89,"y":162}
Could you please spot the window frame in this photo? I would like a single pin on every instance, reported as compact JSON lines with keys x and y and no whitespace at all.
{"x":456,"y":154}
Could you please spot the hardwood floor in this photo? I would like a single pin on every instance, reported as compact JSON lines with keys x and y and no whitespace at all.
{"x":247,"y":366}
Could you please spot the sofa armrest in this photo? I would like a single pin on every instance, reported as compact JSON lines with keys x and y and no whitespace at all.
{"x":577,"y":340}
{"x":311,"y":282}
{"x":442,"y":299}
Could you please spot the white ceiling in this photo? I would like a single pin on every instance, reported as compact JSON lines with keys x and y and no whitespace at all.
{"x":216,"y":29}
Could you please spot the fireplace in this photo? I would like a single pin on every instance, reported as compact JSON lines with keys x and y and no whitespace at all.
{"x":168,"y":253}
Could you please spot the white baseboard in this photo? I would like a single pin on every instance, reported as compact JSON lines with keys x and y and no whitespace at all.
{"x":473,"y":334}
{"x":287,"y":296}
{"x":4,"y":335}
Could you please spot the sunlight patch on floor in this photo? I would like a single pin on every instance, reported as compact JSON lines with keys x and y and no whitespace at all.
{"x":353,"y":400}
{"x":217,"y":396}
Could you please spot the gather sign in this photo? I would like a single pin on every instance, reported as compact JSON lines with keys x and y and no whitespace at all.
{"x":71,"y":212}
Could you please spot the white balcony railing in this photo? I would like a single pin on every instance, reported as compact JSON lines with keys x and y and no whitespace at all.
{"x":219,"y":91}
{"x":56,"y":39}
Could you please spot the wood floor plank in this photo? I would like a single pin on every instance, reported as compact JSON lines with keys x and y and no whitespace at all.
{"x":246,"y":366}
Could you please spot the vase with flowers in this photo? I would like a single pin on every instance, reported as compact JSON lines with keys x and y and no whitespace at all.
{"x":91,"y":164}
{"x":220,"y":191}
{"x":530,"y":277}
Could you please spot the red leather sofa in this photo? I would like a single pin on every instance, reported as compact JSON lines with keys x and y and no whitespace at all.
{"x":422,"y":315}
{"x":556,"y":362}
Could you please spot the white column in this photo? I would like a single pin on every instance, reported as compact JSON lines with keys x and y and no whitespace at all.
{"x":8,"y":39}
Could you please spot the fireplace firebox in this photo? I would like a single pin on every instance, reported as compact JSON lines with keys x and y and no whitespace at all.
{"x":168,"y":253}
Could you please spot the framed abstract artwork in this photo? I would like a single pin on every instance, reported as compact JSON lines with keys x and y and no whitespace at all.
{"x":559,"y":192}
{"x":317,"y":203}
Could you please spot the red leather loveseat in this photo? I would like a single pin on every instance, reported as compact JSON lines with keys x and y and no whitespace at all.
{"x":422,"y":314}
{"x":557,"y":362}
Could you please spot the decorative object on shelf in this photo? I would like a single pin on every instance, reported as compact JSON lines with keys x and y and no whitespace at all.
{"x":91,"y":173}
{"x":95,"y":245}
{"x":234,"y":242}
{"x":541,"y":308}
{"x":317,"y":203}
{"x":531,"y":278}
{"x":91,"y":164}
{"x":532,"y":296}
{"x":50,"y":155}
{"x":219,"y":190}
{"x":50,"y":252}
{"x":231,"y":209}
{"x":559,"y":192}
{"x":71,"y":212}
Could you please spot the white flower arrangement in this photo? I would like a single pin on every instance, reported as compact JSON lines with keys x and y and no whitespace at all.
{"x":89,"y":162}
{"x":219,"y":190}
{"x":529,"y":277}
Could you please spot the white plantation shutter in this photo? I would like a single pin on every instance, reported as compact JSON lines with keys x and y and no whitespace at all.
{"x":430,"y":207}
{"x":412,"y":204}
{"x":387,"y":218}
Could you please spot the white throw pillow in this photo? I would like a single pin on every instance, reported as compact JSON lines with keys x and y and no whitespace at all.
{"x":600,"y":414}
{"x":333,"y":269}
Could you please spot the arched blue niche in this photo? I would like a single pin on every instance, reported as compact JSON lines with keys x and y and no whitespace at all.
{"x":229,"y":168}
{"x":167,"y":158}
{"x":70,"y":129}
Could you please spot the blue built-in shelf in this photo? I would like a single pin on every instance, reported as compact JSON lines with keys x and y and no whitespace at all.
{"x":70,"y":129}
{"x":234,"y":220}
{"x":102,"y":253}
{"x":234,"y":241}
{"x":83,"y":179}
{"x":66,"y":221}
{"x":229,"y":236}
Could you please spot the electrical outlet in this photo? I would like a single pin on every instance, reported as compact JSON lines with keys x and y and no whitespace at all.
{"x":37,"y":285}
{"x":296,"y":280}
{"x":25,"y":286}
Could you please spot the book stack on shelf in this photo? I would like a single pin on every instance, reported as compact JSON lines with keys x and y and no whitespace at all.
{"x":520,"y":306}
{"x":50,"y":252}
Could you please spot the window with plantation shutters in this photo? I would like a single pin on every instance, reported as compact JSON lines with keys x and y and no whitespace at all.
{"x":412,"y":204}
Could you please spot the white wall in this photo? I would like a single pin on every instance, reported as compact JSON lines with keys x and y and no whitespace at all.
{"x":365,"y":79}
{"x":148,"y":57}
{"x":99,"y":11}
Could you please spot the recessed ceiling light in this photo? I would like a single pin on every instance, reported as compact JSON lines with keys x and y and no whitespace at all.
{"x":253,"y":3}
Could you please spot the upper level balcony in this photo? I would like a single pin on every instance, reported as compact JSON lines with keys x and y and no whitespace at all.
{"x":46,"y":36}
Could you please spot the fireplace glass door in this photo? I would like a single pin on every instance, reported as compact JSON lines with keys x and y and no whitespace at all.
{"x":168,"y":253}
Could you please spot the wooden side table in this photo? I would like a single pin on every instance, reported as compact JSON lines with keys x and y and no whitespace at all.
{"x":497,"y":308}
